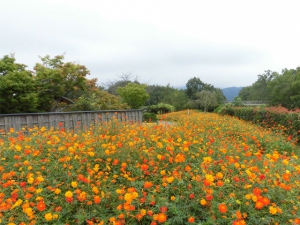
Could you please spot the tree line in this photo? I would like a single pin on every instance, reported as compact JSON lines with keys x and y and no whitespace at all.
{"x":56,"y":85}
{"x":277,"y":88}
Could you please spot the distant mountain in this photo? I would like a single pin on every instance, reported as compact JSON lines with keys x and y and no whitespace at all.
{"x":231,"y":92}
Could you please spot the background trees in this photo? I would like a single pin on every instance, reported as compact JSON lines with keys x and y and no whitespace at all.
{"x":95,"y":98}
{"x":17,"y":87}
{"x":57,"y":79}
{"x":193,"y":86}
{"x":135,"y":95}
{"x":167,"y":95}
{"x":207,"y":99}
{"x":279,"y":89}
{"x":259,"y":89}
{"x":58,"y":85}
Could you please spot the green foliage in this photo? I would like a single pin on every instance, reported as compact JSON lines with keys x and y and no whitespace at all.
{"x":100,"y":100}
{"x":17,"y":88}
{"x":57,"y":79}
{"x":237,"y":102}
{"x":135,"y":95}
{"x":207,"y":99}
{"x":167,"y":95}
{"x":280,"y":89}
{"x":259,"y":89}
{"x":285,"y":89}
{"x":149,"y":117}
{"x":94,"y":98}
{"x":124,"y":79}
{"x":195,"y":86}
{"x":161,"y":108}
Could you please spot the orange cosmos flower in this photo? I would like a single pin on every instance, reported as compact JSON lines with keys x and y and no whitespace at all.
{"x":97,"y":199}
{"x":222,"y":208}
{"x":191,"y":219}
{"x":144,"y":167}
{"x":238,"y":214}
{"x":202,"y":202}
{"x":148,"y":184}
{"x":69,"y":200}
{"x":115,"y":162}
{"x":180,"y":157}
{"x":265,"y":201}
{"x":259,"y":205}
{"x":187,"y":168}
{"x":209,"y":197}
{"x":161,"y":217}
{"x":164,"y":209}
{"x":220,"y":183}
{"x":41,"y":206}
{"x":256,"y":191}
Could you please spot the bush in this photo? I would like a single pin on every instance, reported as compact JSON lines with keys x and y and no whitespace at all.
{"x":161,"y":108}
{"x":278,"y":119}
{"x":149,"y":117}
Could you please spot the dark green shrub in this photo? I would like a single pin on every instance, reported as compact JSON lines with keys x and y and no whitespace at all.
{"x":149,"y":117}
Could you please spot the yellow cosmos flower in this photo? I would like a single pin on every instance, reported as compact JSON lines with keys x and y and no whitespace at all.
{"x":207,"y":160}
{"x":209,"y":177}
{"x":48,"y":216}
{"x":69,"y":194}
{"x":170,"y":179}
{"x":57,"y":191}
{"x":203,"y":201}
{"x":143,"y":212}
{"x":74,"y":184}
{"x":273,"y":210}
{"x":219,"y":175}
{"x":39,"y":190}
{"x":95,"y":190}
{"x":30,"y":180}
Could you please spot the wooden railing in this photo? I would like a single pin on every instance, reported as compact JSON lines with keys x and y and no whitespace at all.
{"x":68,"y":120}
{"x":253,"y":102}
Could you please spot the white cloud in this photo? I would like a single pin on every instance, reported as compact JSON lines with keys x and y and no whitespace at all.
{"x":224,"y":43}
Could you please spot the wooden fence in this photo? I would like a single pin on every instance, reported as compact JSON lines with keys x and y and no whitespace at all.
{"x":253,"y":103}
{"x":68,"y":120}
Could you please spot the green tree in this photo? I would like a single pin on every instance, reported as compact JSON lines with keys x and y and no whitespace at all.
{"x":245,"y":93}
{"x":124,"y":79}
{"x":94,"y":98}
{"x":17,"y":87}
{"x":135,"y":95}
{"x":168,"y":95}
{"x":237,"y":101}
{"x":57,"y":79}
{"x":207,"y":99}
{"x":259,"y":90}
{"x":285,"y":88}
{"x":161,"y":108}
{"x":193,"y":86}
{"x":156,"y":94}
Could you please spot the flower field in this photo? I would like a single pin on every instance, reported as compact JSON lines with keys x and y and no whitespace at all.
{"x":202,"y":169}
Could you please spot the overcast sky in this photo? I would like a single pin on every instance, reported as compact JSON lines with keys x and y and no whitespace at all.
{"x":224,"y":43}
